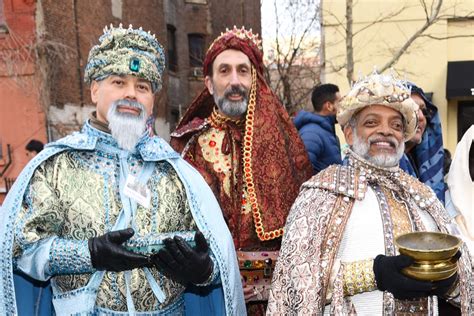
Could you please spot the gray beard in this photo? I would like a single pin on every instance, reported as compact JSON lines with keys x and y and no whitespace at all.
{"x":361,"y":148}
{"x":231,"y":108}
{"x":126,"y":128}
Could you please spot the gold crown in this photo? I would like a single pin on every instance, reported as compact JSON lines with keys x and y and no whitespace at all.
{"x":241,"y":33}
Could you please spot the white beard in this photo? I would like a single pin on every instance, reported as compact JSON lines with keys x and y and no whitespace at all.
{"x":126,"y":128}
{"x":386,"y":160}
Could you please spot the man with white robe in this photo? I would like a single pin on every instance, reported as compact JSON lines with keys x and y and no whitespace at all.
{"x":338,"y":254}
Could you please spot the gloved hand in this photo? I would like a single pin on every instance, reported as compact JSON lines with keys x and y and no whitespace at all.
{"x":107,"y":253}
{"x":388,"y":276}
{"x":182,"y":263}
{"x":442,"y":287}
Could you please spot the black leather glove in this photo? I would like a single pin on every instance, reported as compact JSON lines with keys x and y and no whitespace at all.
{"x":389,"y":278}
{"x":107,"y":253}
{"x":182,"y":263}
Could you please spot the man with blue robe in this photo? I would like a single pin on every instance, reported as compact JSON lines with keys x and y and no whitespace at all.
{"x":112,"y":215}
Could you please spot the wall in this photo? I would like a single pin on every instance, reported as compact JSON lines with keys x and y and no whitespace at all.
{"x":21,"y":114}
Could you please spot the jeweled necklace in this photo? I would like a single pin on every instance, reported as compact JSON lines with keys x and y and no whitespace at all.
{"x":219,"y":120}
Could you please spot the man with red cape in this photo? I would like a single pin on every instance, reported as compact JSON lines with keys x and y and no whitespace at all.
{"x":241,"y":139}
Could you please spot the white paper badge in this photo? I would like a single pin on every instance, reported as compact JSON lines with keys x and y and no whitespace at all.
{"x":137,"y":191}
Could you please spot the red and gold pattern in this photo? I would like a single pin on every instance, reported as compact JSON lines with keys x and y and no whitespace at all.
{"x":271,"y":162}
{"x":248,"y":174}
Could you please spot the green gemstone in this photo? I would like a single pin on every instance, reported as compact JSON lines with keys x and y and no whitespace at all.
{"x":247,"y":264}
{"x":135,"y":64}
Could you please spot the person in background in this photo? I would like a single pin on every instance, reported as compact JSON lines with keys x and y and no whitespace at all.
{"x":317,"y":130}
{"x":424,"y":153}
{"x":34,"y":147}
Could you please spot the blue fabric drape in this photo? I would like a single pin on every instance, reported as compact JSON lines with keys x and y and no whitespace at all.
{"x":428,"y":156}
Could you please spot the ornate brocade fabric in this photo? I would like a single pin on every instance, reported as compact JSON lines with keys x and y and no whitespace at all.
{"x":315,"y":227}
{"x":279,"y":164}
{"x":75,"y":195}
{"x":274,"y":163}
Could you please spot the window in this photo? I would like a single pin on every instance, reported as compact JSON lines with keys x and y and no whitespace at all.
{"x":172,"y":54}
{"x":196,"y":49}
{"x":3,"y":23}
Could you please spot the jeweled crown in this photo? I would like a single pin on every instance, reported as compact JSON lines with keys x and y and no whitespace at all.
{"x":241,"y":33}
{"x":112,"y":29}
{"x":126,"y":51}
{"x":380,"y":89}
{"x":376,"y":88}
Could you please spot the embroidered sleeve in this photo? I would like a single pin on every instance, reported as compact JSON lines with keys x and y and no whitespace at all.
{"x":38,"y":223}
{"x":358,"y":277}
{"x":40,"y":216}
{"x":68,"y":256}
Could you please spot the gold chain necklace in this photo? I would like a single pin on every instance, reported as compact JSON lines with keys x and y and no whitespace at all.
{"x":218,"y":120}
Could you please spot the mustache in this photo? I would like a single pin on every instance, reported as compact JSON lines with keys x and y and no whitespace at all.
{"x":239,"y":90}
{"x":388,"y":139}
{"x":128,"y":103}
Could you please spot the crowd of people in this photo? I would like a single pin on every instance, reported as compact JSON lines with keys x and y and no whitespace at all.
{"x":246,"y":211}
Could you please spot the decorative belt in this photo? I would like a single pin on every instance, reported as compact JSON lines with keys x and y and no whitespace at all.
{"x":256,"y":269}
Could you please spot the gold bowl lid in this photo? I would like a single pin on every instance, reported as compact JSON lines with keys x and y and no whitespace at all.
{"x":428,"y":246}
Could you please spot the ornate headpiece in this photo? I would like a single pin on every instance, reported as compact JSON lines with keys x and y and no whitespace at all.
{"x":241,"y":33}
{"x":239,"y":39}
{"x":126,"y":51}
{"x":384,"y":90}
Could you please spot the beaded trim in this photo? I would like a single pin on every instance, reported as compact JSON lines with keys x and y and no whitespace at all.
{"x":69,"y":256}
{"x":247,"y":164}
{"x":241,"y":33}
{"x":358,"y":277}
{"x":392,"y":306}
{"x":153,"y":243}
{"x":332,"y":240}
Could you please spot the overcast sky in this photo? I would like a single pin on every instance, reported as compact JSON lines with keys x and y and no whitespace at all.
{"x":269,"y":19}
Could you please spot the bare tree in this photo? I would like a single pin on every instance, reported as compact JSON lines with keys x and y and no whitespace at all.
{"x":434,"y":12}
{"x":293,"y":55}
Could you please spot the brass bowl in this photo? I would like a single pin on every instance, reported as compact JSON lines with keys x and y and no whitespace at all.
{"x":429,"y":271}
{"x":428,"y":246}
{"x":433,"y":254}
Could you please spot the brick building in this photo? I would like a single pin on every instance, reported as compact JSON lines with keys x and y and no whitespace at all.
{"x":48,"y":42}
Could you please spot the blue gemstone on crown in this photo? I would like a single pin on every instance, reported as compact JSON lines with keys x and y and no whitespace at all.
{"x":135,"y":64}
